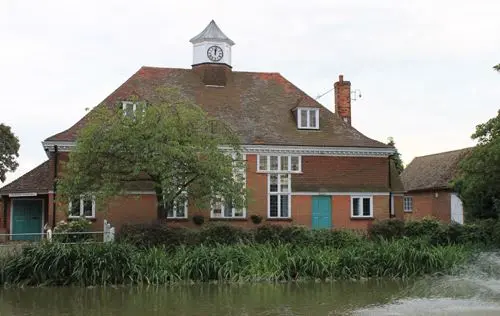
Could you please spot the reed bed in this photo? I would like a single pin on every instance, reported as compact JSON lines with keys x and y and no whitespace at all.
{"x":58,"y":264}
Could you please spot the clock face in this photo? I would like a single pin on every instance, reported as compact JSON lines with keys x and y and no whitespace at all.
{"x":215,"y":53}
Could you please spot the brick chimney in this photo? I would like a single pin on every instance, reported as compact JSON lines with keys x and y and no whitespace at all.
{"x":343,"y":99}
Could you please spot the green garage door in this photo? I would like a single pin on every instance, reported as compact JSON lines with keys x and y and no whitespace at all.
{"x":27,"y":219}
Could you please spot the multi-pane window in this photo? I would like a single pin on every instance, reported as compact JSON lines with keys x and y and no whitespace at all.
{"x":408,"y":204}
{"x":278,"y":164}
{"x":361,"y":206}
{"x":179,"y":209}
{"x":83,"y":207}
{"x":308,"y":118}
{"x":129,"y":108}
{"x":226,"y":209}
{"x":279,"y":195}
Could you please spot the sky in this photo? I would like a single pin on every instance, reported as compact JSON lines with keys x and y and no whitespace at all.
{"x":423,"y":68}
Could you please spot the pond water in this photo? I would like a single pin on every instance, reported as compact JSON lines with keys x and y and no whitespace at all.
{"x":473,"y":292}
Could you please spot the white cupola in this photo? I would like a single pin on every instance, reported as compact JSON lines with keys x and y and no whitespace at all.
{"x":211,"y":46}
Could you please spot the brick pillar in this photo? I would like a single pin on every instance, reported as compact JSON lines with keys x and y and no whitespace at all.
{"x":343,"y":99}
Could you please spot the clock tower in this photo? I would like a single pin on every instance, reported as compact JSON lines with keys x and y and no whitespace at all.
{"x":212,"y":46}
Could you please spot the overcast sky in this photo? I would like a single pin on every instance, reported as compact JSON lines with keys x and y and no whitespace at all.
{"x":424,"y":68}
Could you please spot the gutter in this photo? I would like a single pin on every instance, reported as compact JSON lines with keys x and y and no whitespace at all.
{"x":55,"y":188}
{"x":4,"y":200}
{"x":390,"y":189}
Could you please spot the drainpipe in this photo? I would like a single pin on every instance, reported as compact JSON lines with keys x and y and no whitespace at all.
{"x":4,"y":200}
{"x":54,"y":189}
{"x":390,"y":189}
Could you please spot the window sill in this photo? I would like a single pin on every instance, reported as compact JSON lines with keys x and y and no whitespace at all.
{"x":225,"y":219}
{"x":278,"y":219}
{"x":368,"y":218}
{"x":278,"y":172}
{"x":180,"y":219}
{"x":90,"y":219}
{"x":408,"y":211}
{"x":308,"y":128}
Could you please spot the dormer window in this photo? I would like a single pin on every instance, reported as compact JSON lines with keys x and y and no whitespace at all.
{"x":129,"y":108}
{"x":308,"y":118}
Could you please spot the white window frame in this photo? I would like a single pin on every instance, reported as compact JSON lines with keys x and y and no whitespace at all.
{"x":134,"y":107}
{"x":222,"y":214}
{"x":308,"y":117}
{"x":361,"y":197}
{"x":82,"y":199}
{"x":279,"y":193}
{"x":174,"y":211}
{"x":236,"y":172}
{"x":268,"y":164}
{"x":408,"y":204}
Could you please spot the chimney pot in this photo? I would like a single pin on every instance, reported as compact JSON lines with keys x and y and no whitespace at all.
{"x":341,"y":78}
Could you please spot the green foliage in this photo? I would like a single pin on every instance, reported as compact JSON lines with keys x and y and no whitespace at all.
{"x":421,"y":228}
{"x":480,"y":233}
{"x":157,"y":235}
{"x":256,"y":219}
{"x":63,"y":231}
{"x":396,"y":157}
{"x":198,"y":219}
{"x":224,"y":235}
{"x":387,"y":229}
{"x":478,"y":182}
{"x":497,"y":67}
{"x":115,"y":263}
{"x":168,"y":141}
{"x":9,"y":151}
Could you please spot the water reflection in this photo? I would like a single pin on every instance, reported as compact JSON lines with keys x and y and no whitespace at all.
{"x":257,"y":299}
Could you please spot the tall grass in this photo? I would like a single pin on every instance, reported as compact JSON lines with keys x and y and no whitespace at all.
{"x":115,"y":263}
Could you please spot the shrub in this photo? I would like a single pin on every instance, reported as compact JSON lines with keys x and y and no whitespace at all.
{"x":267,"y":233}
{"x":256,"y":219}
{"x":198,"y":219}
{"x":63,"y":231}
{"x":224,"y":235}
{"x":427,"y":227}
{"x":336,"y":238}
{"x":155,"y":235}
{"x":387,"y":229}
{"x":297,"y":235}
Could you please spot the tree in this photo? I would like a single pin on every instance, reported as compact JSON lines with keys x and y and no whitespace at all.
{"x":9,"y":151}
{"x":168,"y":142}
{"x":497,"y":67}
{"x":478,"y":181}
{"x":396,"y":157}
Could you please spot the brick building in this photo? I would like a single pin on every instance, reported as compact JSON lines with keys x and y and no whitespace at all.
{"x":427,"y":182}
{"x":305,"y":164}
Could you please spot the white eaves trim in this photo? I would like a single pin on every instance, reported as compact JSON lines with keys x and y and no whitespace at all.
{"x":343,"y":193}
{"x":268,"y":149}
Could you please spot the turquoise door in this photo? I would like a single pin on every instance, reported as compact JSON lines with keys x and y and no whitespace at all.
{"x":26,"y":219}
{"x":321,"y":212}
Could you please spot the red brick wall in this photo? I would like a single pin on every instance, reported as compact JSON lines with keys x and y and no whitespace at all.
{"x":342,"y":212}
{"x":131,"y":209}
{"x":320,"y":174}
{"x":426,"y":204}
{"x":337,"y":174}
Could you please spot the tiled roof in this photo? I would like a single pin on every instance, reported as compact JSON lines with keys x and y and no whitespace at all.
{"x":433,"y":171}
{"x":38,"y":180}
{"x":258,"y":106}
